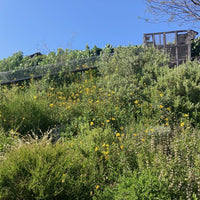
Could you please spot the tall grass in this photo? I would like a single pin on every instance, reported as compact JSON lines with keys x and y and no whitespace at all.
{"x":132,"y":132}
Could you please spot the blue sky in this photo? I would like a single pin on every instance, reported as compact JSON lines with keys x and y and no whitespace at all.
{"x":45,"y":25}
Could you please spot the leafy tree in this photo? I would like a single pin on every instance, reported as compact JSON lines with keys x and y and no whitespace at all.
{"x":175,"y":10}
{"x":60,"y":51}
{"x":95,"y":51}
{"x":195,"y":47}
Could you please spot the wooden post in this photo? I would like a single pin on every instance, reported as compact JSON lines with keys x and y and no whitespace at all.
{"x":189,"y":46}
{"x":144,"y":41}
{"x":154,"y":44}
{"x":160,"y":43}
{"x":176,"y":46}
{"x":164,"y":42}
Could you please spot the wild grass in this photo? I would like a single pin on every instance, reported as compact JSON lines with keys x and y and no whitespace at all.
{"x":132,"y":132}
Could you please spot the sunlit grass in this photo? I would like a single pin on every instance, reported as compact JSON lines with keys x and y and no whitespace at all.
{"x":132,"y":121}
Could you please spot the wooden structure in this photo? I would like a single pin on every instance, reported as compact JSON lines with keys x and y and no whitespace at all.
{"x":176,"y":44}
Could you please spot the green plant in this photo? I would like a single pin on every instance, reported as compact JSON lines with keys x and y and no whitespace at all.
{"x":26,"y":109}
{"x":40,"y":170}
{"x":7,"y":140}
{"x":141,"y":185}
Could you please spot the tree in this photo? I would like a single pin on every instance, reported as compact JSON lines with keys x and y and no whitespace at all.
{"x":175,"y":10}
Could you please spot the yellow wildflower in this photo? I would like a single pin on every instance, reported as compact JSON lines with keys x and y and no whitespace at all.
{"x":96,"y":148}
{"x":119,"y":139}
{"x":97,"y":187}
{"x":136,"y":101}
{"x":105,"y":152}
{"x":161,"y":106}
{"x":12,"y":131}
{"x":91,"y":123}
{"x":182,"y":124}
{"x":118,"y":134}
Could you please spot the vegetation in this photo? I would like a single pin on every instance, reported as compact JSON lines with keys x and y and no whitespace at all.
{"x":18,"y":61}
{"x":130,"y":130}
{"x":195,"y":47}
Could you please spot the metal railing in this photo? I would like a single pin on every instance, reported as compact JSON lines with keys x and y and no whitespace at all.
{"x":35,"y":72}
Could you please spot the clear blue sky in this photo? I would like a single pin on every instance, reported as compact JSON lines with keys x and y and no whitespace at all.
{"x":42,"y":25}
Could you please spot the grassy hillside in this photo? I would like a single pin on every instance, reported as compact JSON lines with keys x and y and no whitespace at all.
{"x":127,"y":131}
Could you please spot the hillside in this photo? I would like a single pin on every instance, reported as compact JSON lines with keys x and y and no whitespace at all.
{"x":129,"y":129}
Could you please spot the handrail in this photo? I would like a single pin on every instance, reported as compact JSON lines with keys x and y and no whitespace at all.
{"x":36,"y":72}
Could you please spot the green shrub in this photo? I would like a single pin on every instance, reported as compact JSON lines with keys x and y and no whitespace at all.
{"x":25,"y":110}
{"x":40,"y":170}
{"x":141,"y":185}
{"x":7,"y":140}
{"x":135,"y":120}
{"x":129,"y":75}
{"x":180,"y":88}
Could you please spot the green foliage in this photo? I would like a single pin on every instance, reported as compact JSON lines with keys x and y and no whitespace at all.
{"x":26,"y":111}
{"x":131,"y":68}
{"x":7,"y":140}
{"x":195,"y":47}
{"x":73,"y":169}
{"x":135,"y":119}
{"x":40,"y":170}
{"x":141,"y":185}
{"x":18,"y":61}
{"x":181,"y":89}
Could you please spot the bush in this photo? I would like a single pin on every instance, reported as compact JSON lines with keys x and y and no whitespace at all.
{"x":181,"y":89}
{"x":44,"y":171}
{"x":141,"y":185}
{"x":25,"y":110}
{"x":7,"y":140}
{"x":74,"y":169}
